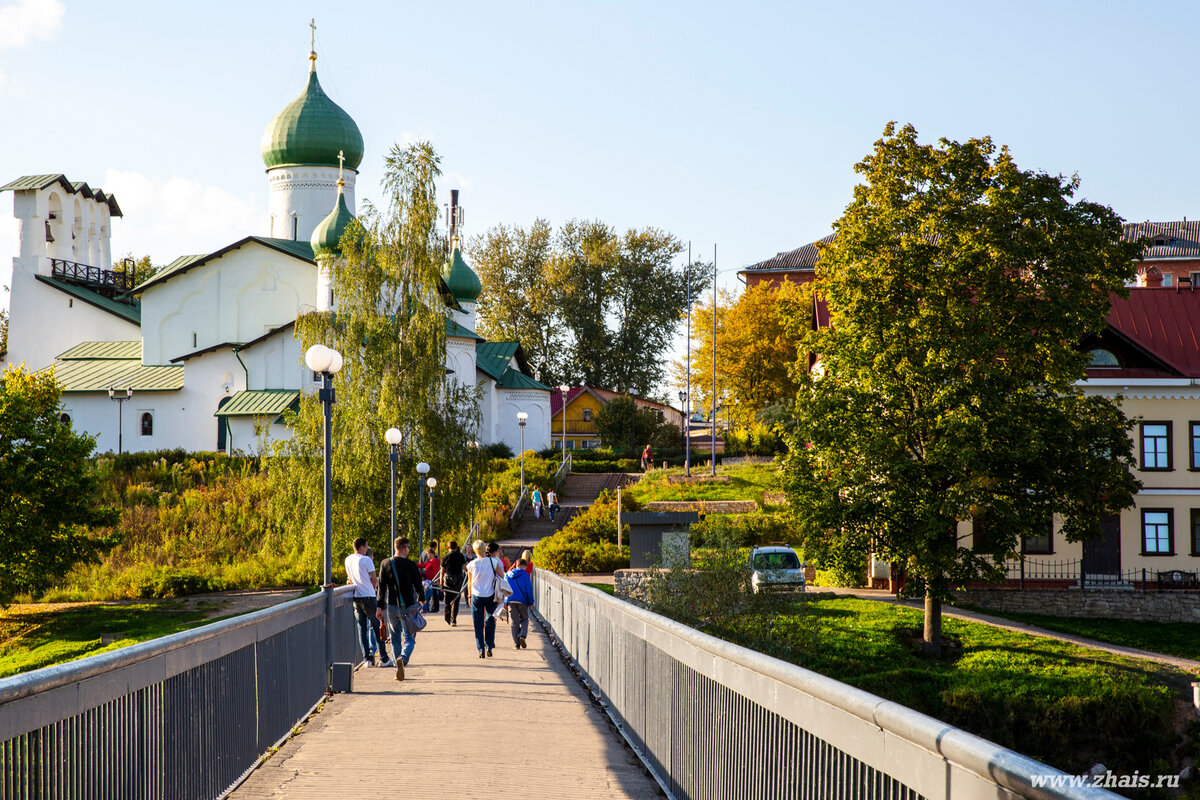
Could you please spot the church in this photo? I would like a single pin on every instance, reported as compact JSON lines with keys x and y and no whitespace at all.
{"x":203,"y":356}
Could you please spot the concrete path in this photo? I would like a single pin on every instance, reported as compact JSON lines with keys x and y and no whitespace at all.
{"x":459,"y":726}
{"x":884,"y":596}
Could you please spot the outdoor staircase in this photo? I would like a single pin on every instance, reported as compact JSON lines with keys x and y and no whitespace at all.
{"x":578,"y":492}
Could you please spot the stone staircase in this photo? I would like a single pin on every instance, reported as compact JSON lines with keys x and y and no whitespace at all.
{"x":577,"y":493}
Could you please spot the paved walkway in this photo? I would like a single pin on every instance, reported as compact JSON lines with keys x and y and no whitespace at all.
{"x":459,"y":726}
{"x":885,"y":596}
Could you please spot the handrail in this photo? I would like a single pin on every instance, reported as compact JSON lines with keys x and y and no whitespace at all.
{"x":563,"y":471}
{"x":646,"y":669}
{"x":518,"y":507}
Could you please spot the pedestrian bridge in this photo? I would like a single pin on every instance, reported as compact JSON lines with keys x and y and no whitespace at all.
{"x":609,"y":700}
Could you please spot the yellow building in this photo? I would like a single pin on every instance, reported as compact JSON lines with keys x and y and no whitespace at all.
{"x":579,"y":416}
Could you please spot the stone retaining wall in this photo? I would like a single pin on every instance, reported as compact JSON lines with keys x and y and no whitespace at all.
{"x":1156,"y":606}
{"x":630,"y":584}
{"x":705,"y":506}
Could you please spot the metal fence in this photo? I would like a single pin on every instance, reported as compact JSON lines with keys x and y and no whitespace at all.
{"x":184,"y":716}
{"x":714,"y":720}
{"x":1070,"y":573}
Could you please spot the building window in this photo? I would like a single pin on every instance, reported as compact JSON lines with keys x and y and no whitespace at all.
{"x":570,"y":444}
{"x":1195,"y":279}
{"x":587,"y":415}
{"x":1103,"y":359}
{"x":1196,"y":531}
{"x":1039,"y":544}
{"x":147,"y":424}
{"x":295,"y":227}
{"x":1194,"y":448}
{"x":1156,"y":445}
{"x":64,"y":418}
{"x":316,"y":377}
{"x":1157,"y":536}
{"x":194,"y":338}
{"x":1168,"y":280}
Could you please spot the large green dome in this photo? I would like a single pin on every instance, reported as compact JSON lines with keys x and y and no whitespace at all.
{"x":328,"y":235}
{"x":460,"y":279}
{"x":310,"y":131}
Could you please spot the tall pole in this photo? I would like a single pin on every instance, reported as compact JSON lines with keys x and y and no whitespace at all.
{"x":120,"y":424}
{"x":421,"y":516}
{"x":687,"y":414}
{"x":564,"y":389}
{"x":327,"y":400}
{"x":395,"y":459}
{"x":714,"y":364}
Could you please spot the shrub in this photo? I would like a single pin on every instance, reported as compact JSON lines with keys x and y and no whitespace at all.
{"x":588,"y":543}
{"x":743,"y":530}
{"x":498,"y":450}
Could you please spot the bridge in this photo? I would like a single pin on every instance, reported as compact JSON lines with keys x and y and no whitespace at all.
{"x":609,"y":700}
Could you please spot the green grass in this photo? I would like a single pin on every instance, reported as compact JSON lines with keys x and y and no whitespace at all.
{"x":36,"y":635}
{"x":1180,"y":639}
{"x":749,"y":483}
{"x":604,"y":587}
{"x":1063,"y":704}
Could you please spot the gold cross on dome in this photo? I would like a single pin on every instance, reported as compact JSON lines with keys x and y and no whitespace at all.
{"x":312,"y":23}
{"x":341,"y":161}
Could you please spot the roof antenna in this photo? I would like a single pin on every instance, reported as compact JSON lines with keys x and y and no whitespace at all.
{"x":312,"y":52}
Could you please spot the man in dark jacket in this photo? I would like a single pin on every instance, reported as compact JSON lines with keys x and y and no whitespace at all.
{"x":400,"y":593}
{"x":452,"y":581}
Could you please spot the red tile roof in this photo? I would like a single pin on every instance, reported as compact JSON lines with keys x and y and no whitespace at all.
{"x":1164,"y":322}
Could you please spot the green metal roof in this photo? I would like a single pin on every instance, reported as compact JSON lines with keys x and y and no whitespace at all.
{"x":98,"y":374}
{"x":493,"y":357}
{"x":300,"y":250}
{"x":311,"y":130}
{"x":515,"y":379}
{"x":259,"y":403}
{"x":460,"y":279}
{"x":328,"y":234}
{"x":37,"y":182}
{"x":129,"y":312}
{"x":453,"y":329}
{"x":121,"y":351}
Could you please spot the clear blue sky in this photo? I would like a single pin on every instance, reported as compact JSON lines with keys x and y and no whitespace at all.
{"x":737,"y":124}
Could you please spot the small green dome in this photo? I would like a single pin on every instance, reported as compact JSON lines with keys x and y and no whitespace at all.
{"x":460,"y":279}
{"x":328,"y":234}
{"x":310,"y":131}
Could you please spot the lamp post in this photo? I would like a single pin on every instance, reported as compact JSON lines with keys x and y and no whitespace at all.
{"x":633,"y":390}
{"x":687,"y":433}
{"x":120,"y":398}
{"x":328,"y":362}
{"x":393,"y":436}
{"x":422,"y":470}
{"x":474,"y":493}
{"x":431,"y":483}
{"x":564,"y":389}
{"x":522,"y":417}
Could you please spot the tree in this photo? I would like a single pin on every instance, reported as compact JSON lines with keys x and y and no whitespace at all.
{"x":589,"y":306}
{"x":958,"y":286}
{"x":755,"y":351}
{"x":390,"y":328}
{"x":618,"y":431}
{"x":141,"y":268}
{"x":49,"y":492}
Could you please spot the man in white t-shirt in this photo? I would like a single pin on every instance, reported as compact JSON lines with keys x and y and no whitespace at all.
{"x":360,"y":571}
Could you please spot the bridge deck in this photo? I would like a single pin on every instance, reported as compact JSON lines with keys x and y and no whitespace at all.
{"x":460,"y":727}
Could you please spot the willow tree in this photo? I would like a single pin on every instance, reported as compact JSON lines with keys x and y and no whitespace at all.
{"x":958,"y":288}
{"x":390,"y":326}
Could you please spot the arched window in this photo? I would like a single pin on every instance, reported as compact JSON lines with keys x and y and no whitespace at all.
{"x":147,"y":424}
{"x":1103,"y":359}
{"x":65,"y":418}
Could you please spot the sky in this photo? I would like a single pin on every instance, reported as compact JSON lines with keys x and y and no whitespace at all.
{"x":734,"y":125}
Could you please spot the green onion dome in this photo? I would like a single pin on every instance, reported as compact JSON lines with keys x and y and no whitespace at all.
{"x":310,"y":131}
{"x":460,"y":279}
{"x":328,"y":234}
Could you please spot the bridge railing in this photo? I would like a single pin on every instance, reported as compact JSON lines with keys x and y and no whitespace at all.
{"x":184,"y":716}
{"x":711,"y":719}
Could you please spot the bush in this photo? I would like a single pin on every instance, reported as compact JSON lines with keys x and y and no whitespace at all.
{"x":743,"y":530}
{"x":589,"y":541}
{"x":498,"y":450}
{"x":757,"y":440}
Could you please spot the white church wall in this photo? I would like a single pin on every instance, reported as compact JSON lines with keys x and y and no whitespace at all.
{"x":95,"y":413}
{"x":537,"y":427}
{"x":207,"y":380}
{"x":277,"y":363}
{"x":243,"y":433}
{"x":235,"y":298}
{"x":45,"y":322}
{"x":301,"y":197}
{"x":487,"y":410}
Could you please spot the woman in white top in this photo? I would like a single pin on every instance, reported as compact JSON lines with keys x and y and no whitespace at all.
{"x":484,"y":573}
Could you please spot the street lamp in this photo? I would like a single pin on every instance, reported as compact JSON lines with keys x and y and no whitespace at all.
{"x":632,"y":413}
{"x":432,"y":484}
{"x":120,"y":398}
{"x":521,"y":419}
{"x":328,"y":362}
{"x":687,"y":433}
{"x":422,"y":470}
{"x":393,"y":437}
{"x":564,"y":389}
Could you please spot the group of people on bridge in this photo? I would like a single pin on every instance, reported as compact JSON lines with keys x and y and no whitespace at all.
{"x":389,"y":602}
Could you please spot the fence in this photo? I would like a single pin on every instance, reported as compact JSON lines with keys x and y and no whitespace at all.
{"x":714,"y":720}
{"x":184,"y":716}
{"x":1070,"y":573}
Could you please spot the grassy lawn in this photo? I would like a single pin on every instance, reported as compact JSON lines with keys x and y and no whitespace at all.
{"x":604,"y":587}
{"x":40,"y":635}
{"x":749,"y":483}
{"x":1065,"y":705}
{"x":1180,"y":639}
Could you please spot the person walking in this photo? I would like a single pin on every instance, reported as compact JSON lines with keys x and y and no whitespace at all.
{"x":537,"y":503}
{"x":399,"y":598}
{"x":360,"y":571}
{"x":432,"y":565}
{"x":647,"y":458}
{"x":485,"y":572}
{"x":520,"y":602}
{"x":552,"y":503}
{"x":452,"y":581}
{"x":527,"y":557}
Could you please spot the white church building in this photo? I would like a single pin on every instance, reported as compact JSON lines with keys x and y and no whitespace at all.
{"x":203,"y":354}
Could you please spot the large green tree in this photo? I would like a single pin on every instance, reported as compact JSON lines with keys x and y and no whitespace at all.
{"x":589,"y":304}
{"x":958,"y":287}
{"x":619,"y":432}
{"x":390,"y":326}
{"x":49,"y":492}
